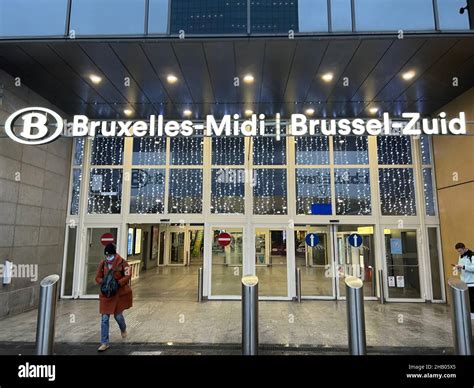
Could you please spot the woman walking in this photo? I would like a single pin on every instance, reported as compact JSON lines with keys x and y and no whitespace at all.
{"x":118,"y":302}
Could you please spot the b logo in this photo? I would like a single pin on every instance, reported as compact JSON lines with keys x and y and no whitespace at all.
{"x":35,"y":126}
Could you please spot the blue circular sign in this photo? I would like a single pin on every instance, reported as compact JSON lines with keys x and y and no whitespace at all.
{"x":312,"y":239}
{"x":355,"y":240}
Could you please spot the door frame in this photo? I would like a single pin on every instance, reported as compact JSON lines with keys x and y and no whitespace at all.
{"x":187,"y":243}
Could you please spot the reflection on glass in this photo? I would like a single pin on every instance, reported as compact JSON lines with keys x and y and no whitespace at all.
{"x":185,"y":191}
{"x":148,"y":151}
{"x":312,"y":15}
{"x":394,"y":150}
{"x":314,"y":263}
{"x":158,"y":16}
{"x":147,"y":191}
{"x":352,"y":191}
{"x":351,"y":150}
{"x":437,"y":281}
{"x":312,"y":150}
{"x":401,"y":252}
{"x":389,"y":15}
{"x":107,"y":151}
{"x":227,"y":263}
{"x":313,"y":186}
{"x":272,"y":273}
{"x":177,"y":248}
{"x":269,"y":192}
{"x":397,"y":192}
{"x":227,"y":191}
{"x":105,"y":191}
{"x":341,"y":15}
{"x":228,"y":151}
{"x":449,"y":16}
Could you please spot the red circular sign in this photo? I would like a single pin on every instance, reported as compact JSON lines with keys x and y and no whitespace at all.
{"x":107,"y":238}
{"x":224,"y":239}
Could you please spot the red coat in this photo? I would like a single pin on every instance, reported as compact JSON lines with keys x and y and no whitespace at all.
{"x":123,"y":299}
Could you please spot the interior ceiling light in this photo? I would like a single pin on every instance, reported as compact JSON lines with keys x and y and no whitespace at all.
{"x":171,"y":78}
{"x":408,"y":75}
{"x":248,"y":79}
{"x":327,"y":77}
{"x":95,"y":78}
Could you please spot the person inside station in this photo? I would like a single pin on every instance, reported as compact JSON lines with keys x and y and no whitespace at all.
{"x":466,"y":266}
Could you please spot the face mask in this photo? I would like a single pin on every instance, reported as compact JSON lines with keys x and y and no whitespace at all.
{"x":110,"y":257}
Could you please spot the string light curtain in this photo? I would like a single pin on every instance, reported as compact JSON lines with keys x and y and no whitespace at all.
{"x":76,"y":175}
{"x":313,"y":186}
{"x":428,"y":180}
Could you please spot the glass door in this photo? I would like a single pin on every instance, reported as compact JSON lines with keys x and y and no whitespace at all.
{"x":315,"y":261}
{"x":178,"y":252}
{"x":186,"y":245}
{"x":271,"y":264}
{"x":94,"y":254}
{"x":355,"y":260}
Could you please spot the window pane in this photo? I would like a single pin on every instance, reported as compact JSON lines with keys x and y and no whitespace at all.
{"x":149,"y":151}
{"x":108,"y":17}
{"x":313,"y":15}
{"x":390,"y":15}
{"x":107,"y":151}
{"x":268,"y":150}
{"x":401,"y":251}
{"x":449,"y":16}
{"x":437,"y":281}
{"x":228,"y":151}
{"x":397,"y":191}
{"x":352,"y":191}
{"x":158,"y":16}
{"x":209,"y":16}
{"x":273,"y":16}
{"x":313,"y":186}
{"x":78,"y":151}
{"x":76,"y":190}
{"x":228,"y":191}
{"x":33,"y":17}
{"x":341,"y":15}
{"x":269,"y":192}
{"x":428,"y":190}
{"x":186,"y":151}
{"x":394,"y":150}
{"x":105,"y":191}
{"x":351,"y":150}
{"x":185,"y":191}
{"x":425,"y":149}
{"x":70,"y":255}
{"x":148,"y":191}
{"x":312,"y":150}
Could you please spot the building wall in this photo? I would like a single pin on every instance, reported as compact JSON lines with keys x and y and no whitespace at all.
{"x":34,"y":183}
{"x":454,"y":160}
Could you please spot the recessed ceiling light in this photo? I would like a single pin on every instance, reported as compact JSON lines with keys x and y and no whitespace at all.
{"x":327,"y":77}
{"x":408,"y":75}
{"x":248,"y":79}
{"x":310,"y":111}
{"x":373,"y":110}
{"x":187,"y":112}
{"x":127,"y":112}
{"x":248,"y":112}
{"x":95,"y":78}
{"x":171,"y":78}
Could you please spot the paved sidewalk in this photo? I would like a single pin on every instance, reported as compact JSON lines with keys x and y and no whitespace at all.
{"x":311,"y":323}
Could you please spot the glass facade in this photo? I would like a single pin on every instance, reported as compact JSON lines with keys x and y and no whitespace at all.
{"x":270,"y":16}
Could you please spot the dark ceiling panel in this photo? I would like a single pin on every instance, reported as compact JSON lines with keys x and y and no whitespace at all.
{"x":335,"y":60}
{"x":368,"y":54}
{"x":221,"y":63}
{"x":164,"y":61}
{"x":425,"y":57}
{"x":138,"y":66}
{"x":276,"y":69}
{"x":308,"y":56}
{"x":395,"y":57}
{"x":194,"y":67}
{"x":114,"y":71}
{"x":249,"y":60}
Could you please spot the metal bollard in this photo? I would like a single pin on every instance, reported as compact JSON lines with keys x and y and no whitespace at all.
{"x":200,"y":284}
{"x":249,"y":315}
{"x":355,"y":316}
{"x":46,"y":315}
{"x":461,"y":317}
{"x":298,"y":285}
{"x":382,"y":296}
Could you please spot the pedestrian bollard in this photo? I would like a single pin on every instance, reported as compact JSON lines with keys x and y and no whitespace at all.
{"x":355,"y":316}
{"x":249,"y":315}
{"x":200,"y":284}
{"x":298,"y":285}
{"x":461,"y":317}
{"x":46,"y":315}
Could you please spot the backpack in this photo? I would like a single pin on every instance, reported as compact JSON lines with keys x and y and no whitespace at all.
{"x":109,"y":285}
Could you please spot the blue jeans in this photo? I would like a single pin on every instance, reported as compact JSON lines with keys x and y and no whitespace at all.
{"x":104,"y":326}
